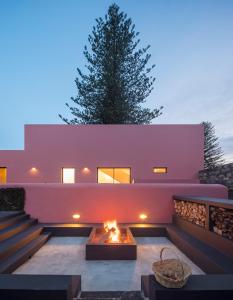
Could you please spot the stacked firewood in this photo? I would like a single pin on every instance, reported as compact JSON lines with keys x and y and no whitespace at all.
{"x":192,"y":212}
{"x":222,"y":221}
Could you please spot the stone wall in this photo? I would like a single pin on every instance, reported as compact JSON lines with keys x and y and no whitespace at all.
{"x":221,"y":221}
{"x":220,"y":175}
{"x":191,"y":211}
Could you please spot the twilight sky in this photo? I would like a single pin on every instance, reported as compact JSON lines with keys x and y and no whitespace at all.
{"x":41,"y":44}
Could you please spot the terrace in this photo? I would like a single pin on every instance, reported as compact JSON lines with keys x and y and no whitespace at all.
{"x":37,"y":253}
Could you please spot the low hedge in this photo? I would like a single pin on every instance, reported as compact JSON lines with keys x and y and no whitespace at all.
{"x":230,"y":193}
{"x":12,"y":199}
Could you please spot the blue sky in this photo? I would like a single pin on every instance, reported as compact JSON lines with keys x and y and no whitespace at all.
{"x":41,"y":45}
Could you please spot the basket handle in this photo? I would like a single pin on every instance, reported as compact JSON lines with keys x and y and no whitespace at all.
{"x":178,"y":259}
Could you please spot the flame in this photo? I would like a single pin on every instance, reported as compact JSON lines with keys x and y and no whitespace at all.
{"x":113,"y":230}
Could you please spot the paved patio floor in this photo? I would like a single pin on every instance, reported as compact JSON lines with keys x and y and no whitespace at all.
{"x":66,"y":255}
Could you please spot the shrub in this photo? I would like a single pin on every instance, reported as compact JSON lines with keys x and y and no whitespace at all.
{"x":12,"y":198}
{"x":230,"y":192}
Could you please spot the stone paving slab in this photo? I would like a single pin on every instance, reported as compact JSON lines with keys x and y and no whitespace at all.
{"x":66,"y":255}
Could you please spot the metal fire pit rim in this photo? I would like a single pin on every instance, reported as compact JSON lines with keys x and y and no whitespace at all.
{"x":129,"y":233}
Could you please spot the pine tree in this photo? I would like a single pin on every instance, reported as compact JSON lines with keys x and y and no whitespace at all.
{"x":118,"y":80}
{"x":213,"y":154}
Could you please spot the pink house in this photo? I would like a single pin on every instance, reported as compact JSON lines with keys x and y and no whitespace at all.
{"x":96,"y":170}
{"x":49,"y":148}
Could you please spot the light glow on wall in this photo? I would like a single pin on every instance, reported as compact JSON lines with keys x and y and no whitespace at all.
{"x":86,"y":170}
{"x":68,"y":175}
{"x":33,"y":170}
{"x":143,"y":216}
{"x":76,"y":216}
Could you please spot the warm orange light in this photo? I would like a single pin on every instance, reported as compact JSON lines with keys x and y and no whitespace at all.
{"x":160,"y":170}
{"x":114,"y":232}
{"x":143,"y":217}
{"x":76,"y":216}
{"x":3,"y":175}
{"x":86,"y":170}
{"x":33,"y":170}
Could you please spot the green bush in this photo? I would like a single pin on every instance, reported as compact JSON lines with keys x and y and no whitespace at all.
{"x":12,"y":199}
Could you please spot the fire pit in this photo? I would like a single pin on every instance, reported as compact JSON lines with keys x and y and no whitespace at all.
{"x":111,"y":243}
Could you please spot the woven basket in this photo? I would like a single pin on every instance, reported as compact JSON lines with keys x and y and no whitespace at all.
{"x":171,"y":273}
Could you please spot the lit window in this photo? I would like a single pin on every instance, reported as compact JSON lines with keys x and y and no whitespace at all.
{"x":3,"y":175}
{"x":160,"y":170}
{"x":68,"y":175}
{"x":114,"y":175}
{"x":121,"y":175}
{"x":105,"y":175}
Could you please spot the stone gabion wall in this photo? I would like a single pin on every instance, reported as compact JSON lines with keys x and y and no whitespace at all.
{"x":222,"y":221}
{"x":191,"y":211}
{"x":220,"y":175}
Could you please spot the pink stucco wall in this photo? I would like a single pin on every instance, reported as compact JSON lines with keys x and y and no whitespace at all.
{"x":140,"y":147}
{"x":96,"y":203}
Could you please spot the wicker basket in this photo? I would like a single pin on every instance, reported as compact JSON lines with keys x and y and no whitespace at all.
{"x":171,"y":273}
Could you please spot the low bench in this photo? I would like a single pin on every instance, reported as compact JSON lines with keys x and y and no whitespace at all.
{"x":198,"y":287}
{"x":39,"y":287}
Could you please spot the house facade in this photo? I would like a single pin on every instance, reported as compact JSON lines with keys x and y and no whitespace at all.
{"x":101,"y":172}
{"x":105,"y":154}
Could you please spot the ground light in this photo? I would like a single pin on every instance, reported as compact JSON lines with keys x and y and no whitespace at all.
{"x":143,"y":217}
{"x":76,"y":216}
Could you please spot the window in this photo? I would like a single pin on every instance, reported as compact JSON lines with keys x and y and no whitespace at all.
{"x":114,"y":175}
{"x":160,"y":170}
{"x":68,"y":175}
{"x":3,"y":175}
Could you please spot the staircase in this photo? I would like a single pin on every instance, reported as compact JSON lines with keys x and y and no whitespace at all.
{"x":20,"y":237}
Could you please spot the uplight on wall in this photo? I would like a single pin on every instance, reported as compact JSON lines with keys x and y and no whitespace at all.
{"x":143,"y":217}
{"x":33,"y":170}
{"x":76,"y":216}
{"x":86,"y":170}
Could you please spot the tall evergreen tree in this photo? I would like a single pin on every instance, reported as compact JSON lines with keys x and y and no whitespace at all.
{"x":118,"y":80}
{"x":213,"y":154}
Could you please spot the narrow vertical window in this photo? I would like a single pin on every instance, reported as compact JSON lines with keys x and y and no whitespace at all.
{"x":68,"y":175}
{"x":3,"y":175}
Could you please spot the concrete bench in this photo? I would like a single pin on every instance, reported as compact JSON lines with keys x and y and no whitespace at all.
{"x":39,"y":287}
{"x":199,"y":287}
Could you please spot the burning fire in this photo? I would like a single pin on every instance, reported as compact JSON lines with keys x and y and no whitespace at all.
{"x":112,"y":229}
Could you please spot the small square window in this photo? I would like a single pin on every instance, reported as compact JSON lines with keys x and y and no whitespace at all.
{"x":160,"y":170}
{"x":68,"y":175}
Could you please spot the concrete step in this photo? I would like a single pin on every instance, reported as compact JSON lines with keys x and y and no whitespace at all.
{"x":16,"y":228}
{"x":99,"y":298}
{"x":209,"y":259}
{"x":112,"y":295}
{"x":22,"y":255}
{"x":39,"y":287}
{"x":4,"y":215}
{"x":10,"y":245}
{"x":13,"y":220}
